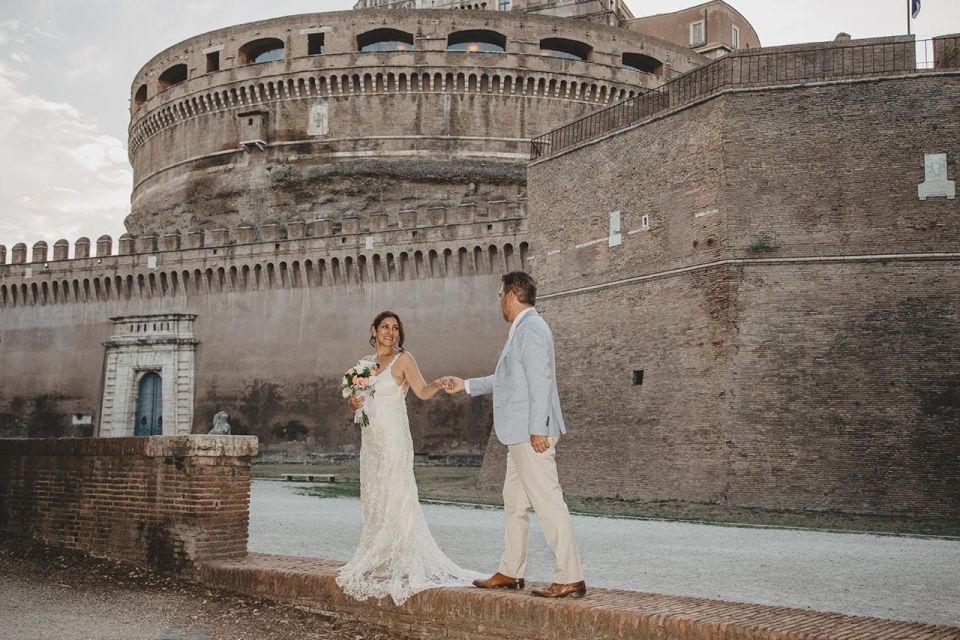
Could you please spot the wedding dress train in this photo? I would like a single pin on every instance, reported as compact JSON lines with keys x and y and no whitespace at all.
{"x":397,"y":555}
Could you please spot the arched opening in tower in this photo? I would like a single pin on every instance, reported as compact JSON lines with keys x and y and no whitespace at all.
{"x":141,"y":95}
{"x":385,"y":40}
{"x":644,"y":63}
{"x":564,"y":48}
{"x":262,"y":50}
{"x":174,"y":75}
{"x":477,"y":40}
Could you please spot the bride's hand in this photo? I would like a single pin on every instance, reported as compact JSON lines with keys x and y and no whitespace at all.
{"x":356,"y":401}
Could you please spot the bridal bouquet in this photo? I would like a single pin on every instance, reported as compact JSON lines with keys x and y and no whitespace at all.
{"x":359,"y":380}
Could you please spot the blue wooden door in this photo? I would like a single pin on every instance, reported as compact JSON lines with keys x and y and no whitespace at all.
{"x":149,"y":406}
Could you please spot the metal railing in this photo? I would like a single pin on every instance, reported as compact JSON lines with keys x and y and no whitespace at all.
{"x":762,"y":68}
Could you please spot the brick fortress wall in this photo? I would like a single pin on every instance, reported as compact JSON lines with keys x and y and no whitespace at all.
{"x":791,"y":303}
{"x":281,"y":313}
{"x":165,"y":503}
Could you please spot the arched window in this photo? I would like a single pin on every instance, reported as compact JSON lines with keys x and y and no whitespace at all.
{"x":642,"y":62}
{"x":141,"y":96}
{"x":385,"y":40}
{"x":262,"y":50}
{"x":476,"y":40}
{"x":563,"y":48}
{"x":174,"y":75}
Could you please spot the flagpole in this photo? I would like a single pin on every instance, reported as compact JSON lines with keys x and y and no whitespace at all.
{"x":909,"y":15}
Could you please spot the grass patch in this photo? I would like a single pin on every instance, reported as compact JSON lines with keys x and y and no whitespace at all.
{"x":331,"y":490}
{"x":459,"y":484}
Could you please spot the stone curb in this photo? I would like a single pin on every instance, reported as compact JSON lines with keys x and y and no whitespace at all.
{"x":472,"y":614}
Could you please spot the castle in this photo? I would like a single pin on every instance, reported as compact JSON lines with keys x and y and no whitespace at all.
{"x":736,"y":232}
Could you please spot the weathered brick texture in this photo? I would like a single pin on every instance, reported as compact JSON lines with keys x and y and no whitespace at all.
{"x":166,"y":503}
{"x":793,"y":304}
{"x":605,"y":614}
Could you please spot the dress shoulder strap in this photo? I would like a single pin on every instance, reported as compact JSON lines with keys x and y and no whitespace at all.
{"x":390,"y":366}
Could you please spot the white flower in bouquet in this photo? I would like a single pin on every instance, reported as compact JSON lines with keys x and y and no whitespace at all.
{"x":359,"y":380}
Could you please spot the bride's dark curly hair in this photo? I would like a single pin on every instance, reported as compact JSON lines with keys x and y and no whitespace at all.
{"x":383,"y":315}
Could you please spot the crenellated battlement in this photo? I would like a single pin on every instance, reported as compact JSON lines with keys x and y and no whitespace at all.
{"x":472,"y":239}
{"x":321,"y":227}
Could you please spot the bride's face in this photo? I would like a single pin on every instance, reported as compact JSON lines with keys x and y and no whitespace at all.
{"x":387,"y":333}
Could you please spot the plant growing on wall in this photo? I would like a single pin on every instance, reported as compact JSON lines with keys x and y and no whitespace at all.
{"x":762,"y":243}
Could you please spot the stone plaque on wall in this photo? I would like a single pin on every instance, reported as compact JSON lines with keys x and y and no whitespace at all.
{"x":936,"y":182}
{"x":319,"y":124}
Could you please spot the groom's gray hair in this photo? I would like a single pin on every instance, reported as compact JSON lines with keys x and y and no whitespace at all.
{"x":523,"y":285}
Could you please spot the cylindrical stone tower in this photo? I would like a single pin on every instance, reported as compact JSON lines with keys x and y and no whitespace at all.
{"x":366,"y":113}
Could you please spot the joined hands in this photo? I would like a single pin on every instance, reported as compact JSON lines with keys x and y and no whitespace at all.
{"x":451,"y":384}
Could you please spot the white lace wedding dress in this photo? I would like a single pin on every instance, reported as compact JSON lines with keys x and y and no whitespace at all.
{"x":397,"y":556}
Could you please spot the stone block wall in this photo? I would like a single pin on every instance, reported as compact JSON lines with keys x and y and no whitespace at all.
{"x":166,"y":502}
{"x":279,"y":319}
{"x":237,"y":143}
{"x":790,"y":301}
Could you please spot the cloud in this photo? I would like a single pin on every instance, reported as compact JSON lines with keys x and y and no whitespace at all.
{"x":8,"y":30}
{"x":62,"y":176}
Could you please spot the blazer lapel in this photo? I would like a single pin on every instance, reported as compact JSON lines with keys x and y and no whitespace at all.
{"x":510,"y":340}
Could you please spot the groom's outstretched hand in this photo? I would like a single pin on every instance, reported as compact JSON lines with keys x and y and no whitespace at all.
{"x":452,"y":384}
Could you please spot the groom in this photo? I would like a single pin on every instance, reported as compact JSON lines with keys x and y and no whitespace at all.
{"x":527,"y":418}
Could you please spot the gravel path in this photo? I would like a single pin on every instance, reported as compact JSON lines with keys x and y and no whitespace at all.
{"x":50,"y":595}
{"x":883,"y":576}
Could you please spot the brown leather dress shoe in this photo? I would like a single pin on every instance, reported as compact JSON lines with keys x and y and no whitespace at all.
{"x":557,"y":590}
{"x":499,"y":581}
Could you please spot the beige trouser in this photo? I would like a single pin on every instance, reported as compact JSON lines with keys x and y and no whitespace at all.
{"x":532,"y":481}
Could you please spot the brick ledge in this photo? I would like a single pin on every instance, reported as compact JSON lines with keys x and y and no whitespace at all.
{"x":471,"y":614}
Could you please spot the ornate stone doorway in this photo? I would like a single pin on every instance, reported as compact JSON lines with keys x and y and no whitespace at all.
{"x":149,"y":376}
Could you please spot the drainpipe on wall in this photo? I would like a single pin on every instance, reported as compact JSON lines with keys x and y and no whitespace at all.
{"x":706,"y":27}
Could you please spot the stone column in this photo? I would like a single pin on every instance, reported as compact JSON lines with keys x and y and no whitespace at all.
{"x":246,"y":234}
{"x":104,"y":246}
{"x":18,"y":254}
{"x":321,"y":227}
{"x":61,"y":250}
{"x":220,"y":237}
{"x":147,"y":244}
{"x":408,"y":219}
{"x":125,"y":245}
{"x":296,"y":229}
{"x":171,"y":241}
{"x":195,"y":240}
{"x":269,"y":233}
{"x":39,"y":252}
{"x":350,"y":225}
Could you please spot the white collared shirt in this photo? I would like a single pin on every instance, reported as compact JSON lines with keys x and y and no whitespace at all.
{"x":513,"y":329}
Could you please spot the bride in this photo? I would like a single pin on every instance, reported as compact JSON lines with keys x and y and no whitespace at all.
{"x":397,"y":556}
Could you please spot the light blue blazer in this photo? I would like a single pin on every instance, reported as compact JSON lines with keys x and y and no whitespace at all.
{"x":524,"y":385}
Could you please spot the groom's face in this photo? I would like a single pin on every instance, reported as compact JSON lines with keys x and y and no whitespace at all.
{"x":504,"y":303}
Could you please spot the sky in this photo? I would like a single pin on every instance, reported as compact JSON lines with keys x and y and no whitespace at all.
{"x":66,"y":68}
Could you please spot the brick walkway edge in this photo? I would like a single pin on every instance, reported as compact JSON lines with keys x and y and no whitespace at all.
{"x":472,"y":614}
